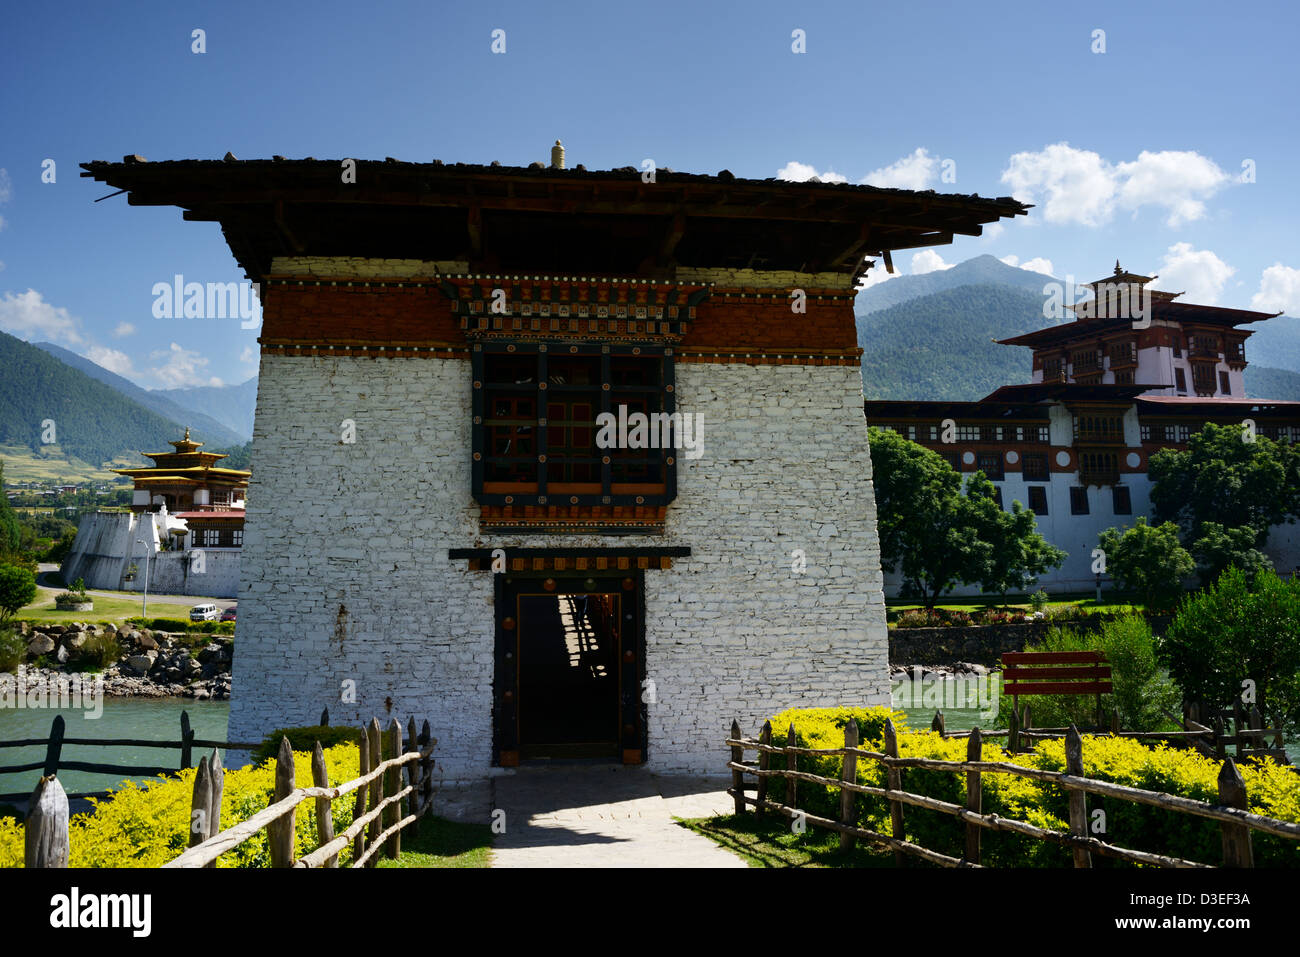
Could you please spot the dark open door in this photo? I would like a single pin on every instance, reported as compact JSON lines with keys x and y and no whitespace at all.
{"x":569,"y":668}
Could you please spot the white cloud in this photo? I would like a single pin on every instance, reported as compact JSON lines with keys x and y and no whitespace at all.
{"x":28,"y":316}
{"x":927,"y":260}
{"x":248,"y":355}
{"x":915,"y":171}
{"x":796,"y":172}
{"x":1040,"y":265}
{"x":123,"y":329}
{"x":1279,"y":288}
{"x":1080,"y":186}
{"x":876,"y":275}
{"x":184,"y":367}
{"x":992,"y":231}
{"x":112,"y":360}
{"x":1198,"y":273}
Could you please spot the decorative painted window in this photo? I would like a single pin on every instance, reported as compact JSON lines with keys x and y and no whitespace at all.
{"x":237,"y":538}
{"x":1085,"y":360}
{"x":1179,"y":433}
{"x":1121,"y":500}
{"x":211,"y":538}
{"x":1225,"y":384}
{"x":1078,"y":500}
{"x":953,"y":459}
{"x":968,"y":433}
{"x":1038,"y":499}
{"x":536,"y":439}
{"x":1103,"y":428}
{"x":1203,"y":378}
{"x":1033,"y":466}
{"x":1124,"y":377}
{"x":1053,"y":370}
{"x":990,"y":463}
{"x":1180,"y":381}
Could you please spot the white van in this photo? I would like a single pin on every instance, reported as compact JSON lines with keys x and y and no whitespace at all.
{"x":205,"y":613}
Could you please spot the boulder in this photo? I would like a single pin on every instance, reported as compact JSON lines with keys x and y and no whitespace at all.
{"x":110,"y":628}
{"x":212,"y":652}
{"x":40,"y":645}
{"x":56,"y":629}
{"x":140,"y":664}
{"x":62,"y":654}
{"x":75,"y":642}
{"x":146,"y":641}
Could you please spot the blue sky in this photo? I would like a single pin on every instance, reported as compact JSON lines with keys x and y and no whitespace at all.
{"x":1133,"y":153}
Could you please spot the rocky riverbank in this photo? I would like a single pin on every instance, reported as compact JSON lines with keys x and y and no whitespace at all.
{"x":958,"y":669}
{"x":150,"y":664}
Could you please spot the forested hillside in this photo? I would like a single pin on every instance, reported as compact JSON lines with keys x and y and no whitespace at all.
{"x":941,"y":346}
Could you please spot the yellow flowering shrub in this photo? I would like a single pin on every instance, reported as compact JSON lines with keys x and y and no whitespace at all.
{"x":1272,"y":790}
{"x":147,"y":824}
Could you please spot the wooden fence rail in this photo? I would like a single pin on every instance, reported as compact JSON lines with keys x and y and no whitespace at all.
{"x":53,"y":762}
{"x":1236,"y":823}
{"x":46,"y":834}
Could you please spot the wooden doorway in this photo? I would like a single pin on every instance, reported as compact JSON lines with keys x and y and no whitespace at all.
{"x":569,"y":669}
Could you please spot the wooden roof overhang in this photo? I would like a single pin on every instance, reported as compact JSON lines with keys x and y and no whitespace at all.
{"x":1181,"y":312}
{"x":1068,"y":392}
{"x":574,"y":221}
{"x":1232,"y":406}
{"x":195,"y":474}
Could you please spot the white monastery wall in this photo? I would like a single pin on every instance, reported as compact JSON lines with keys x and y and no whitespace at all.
{"x":347,"y":576}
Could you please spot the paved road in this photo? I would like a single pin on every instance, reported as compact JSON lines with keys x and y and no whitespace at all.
{"x":576,"y":815}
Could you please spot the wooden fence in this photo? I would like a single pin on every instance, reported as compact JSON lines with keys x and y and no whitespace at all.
{"x":54,"y":761}
{"x":382,"y":809}
{"x":1235,"y":821}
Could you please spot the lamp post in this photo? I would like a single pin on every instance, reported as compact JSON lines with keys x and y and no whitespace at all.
{"x":144,"y":611}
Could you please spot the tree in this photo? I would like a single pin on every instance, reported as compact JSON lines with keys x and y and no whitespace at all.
{"x":10,"y":532}
{"x":1225,"y":479}
{"x":1219,"y":547}
{"x":921,"y":517}
{"x":940,"y":537}
{"x":1148,"y":561}
{"x":17,"y":589}
{"x":1016,"y":554}
{"x":1239,"y":639}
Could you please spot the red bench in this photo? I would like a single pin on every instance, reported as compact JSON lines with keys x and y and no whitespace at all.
{"x":1055,"y":672}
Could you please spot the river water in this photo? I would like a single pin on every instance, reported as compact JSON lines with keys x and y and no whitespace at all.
{"x":145,"y":718}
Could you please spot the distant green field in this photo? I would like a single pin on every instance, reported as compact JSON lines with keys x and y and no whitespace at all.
{"x":21,"y":464}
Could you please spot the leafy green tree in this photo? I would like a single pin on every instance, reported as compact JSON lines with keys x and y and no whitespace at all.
{"x":10,"y":533}
{"x":1219,"y":547}
{"x":17,"y":589}
{"x":1240,"y":635}
{"x":921,"y":516}
{"x":1148,"y":561}
{"x":1015,"y":553}
{"x":1228,"y":481}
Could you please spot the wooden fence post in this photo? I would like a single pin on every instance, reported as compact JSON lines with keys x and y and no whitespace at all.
{"x":187,"y":741}
{"x":848,"y":773}
{"x":359,"y":805}
{"x":1013,"y":733}
{"x":1025,"y":718}
{"x":426,"y":769}
{"x":791,"y":764}
{"x":201,"y":804}
{"x":1114,"y":721}
{"x":894,"y":776}
{"x":1078,"y":799}
{"x":937,"y":724}
{"x":764,"y":762}
{"x":216,"y":787}
{"x":737,"y":777}
{"x":280,"y":832}
{"x":54,"y":748}
{"x":413,"y":778}
{"x":324,"y":813}
{"x":974,"y":798}
{"x":377,"y":785}
{"x":1237,"y":850}
{"x":393,"y":784}
{"x":45,"y":837}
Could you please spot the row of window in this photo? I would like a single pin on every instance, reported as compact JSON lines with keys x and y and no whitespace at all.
{"x":219,"y":538}
{"x":1121,"y":501}
{"x":973,"y":433}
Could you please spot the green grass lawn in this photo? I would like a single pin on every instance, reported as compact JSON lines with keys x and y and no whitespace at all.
{"x":774,"y":844}
{"x":115,"y":610}
{"x":444,"y":843}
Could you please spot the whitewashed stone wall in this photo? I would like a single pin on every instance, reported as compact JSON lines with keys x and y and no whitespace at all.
{"x":347,"y":576}
{"x":107,"y":543}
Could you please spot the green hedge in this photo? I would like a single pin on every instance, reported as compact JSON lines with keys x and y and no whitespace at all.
{"x":1273,"y":790}
{"x":304,"y":739}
